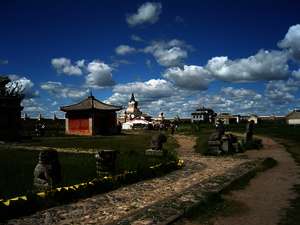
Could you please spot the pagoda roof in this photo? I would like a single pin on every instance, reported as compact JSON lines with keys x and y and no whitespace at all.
{"x":132,"y":99}
{"x":295,"y":114}
{"x":90,"y":103}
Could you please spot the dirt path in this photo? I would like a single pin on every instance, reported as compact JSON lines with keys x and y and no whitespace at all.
{"x":186,"y":144}
{"x":267,"y":194}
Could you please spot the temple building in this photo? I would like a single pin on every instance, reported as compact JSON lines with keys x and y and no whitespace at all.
{"x":293,"y":118}
{"x":132,"y":111}
{"x":10,"y":111}
{"x":204,"y":115}
{"x":91,"y":117}
{"x":227,"y":118}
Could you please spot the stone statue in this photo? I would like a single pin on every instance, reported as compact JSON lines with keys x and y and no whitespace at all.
{"x":157,"y":141}
{"x":220,"y":143}
{"x":249,"y":131}
{"x":105,"y":162}
{"x":47,"y":172}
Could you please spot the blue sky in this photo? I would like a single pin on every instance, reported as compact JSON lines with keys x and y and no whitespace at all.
{"x":234,"y":56}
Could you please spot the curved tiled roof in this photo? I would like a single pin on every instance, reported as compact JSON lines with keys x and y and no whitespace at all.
{"x":90,"y":103}
{"x":294,"y":115}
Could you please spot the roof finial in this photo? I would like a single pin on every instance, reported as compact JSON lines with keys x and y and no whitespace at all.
{"x":132,"y":99}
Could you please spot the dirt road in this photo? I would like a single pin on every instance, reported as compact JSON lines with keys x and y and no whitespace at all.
{"x":267,"y":194}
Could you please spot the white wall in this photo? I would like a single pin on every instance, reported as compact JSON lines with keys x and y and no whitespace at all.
{"x":293,"y":121}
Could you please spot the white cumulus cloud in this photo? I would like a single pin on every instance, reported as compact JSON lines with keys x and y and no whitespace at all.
{"x":147,"y":13}
{"x":265,"y":65}
{"x":296,"y":74}
{"x":291,"y":42}
{"x":124,"y":50}
{"x":100,"y":75}
{"x":32,"y":106}
{"x":189,"y":77}
{"x":61,"y":91}
{"x":154,"y":88}
{"x":170,"y":53}
{"x":136,"y":38}
{"x":64,"y":66}
{"x":282,"y":91}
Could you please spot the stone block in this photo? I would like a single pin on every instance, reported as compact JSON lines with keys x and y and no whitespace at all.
{"x":225,"y":146}
{"x":105,"y":162}
{"x":151,"y":152}
{"x":214,"y":143}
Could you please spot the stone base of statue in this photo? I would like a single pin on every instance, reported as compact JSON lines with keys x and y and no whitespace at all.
{"x":214,"y":147}
{"x":47,"y":173}
{"x":157,"y":141}
{"x":249,"y":136}
{"x":222,"y":145}
{"x":105,"y":162}
{"x":151,"y":152}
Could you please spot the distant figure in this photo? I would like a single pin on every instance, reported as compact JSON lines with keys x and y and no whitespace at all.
{"x":161,"y":126}
{"x":40,"y":129}
{"x":47,"y":172}
{"x":157,"y":141}
{"x":249,"y":131}
{"x":220,"y":128}
{"x":172,"y":128}
{"x":119,"y":127}
{"x":43,"y":128}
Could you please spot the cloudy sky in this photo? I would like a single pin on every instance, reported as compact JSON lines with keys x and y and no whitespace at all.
{"x":233,"y":56}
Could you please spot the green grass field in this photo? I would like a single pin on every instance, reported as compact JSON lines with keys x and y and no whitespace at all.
{"x":16,"y":168}
{"x":201,"y":131}
{"x":16,"y":173}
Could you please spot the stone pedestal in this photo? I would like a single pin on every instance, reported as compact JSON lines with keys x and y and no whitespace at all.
{"x":105,"y":162}
{"x":47,"y":173}
{"x":214,"y":147}
{"x":151,"y":152}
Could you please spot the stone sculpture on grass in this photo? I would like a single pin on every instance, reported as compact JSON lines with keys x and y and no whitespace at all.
{"x":220,"y":143}
{"x":157,"y":142}
{"x":47,"y":173}
{"x":249,"y":142}
{"x":249,"y":131}
{"x":105,"y":162}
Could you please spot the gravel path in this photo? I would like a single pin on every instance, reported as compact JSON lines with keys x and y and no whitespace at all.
{"x":115,"y":205}
{"x":267,"y":194}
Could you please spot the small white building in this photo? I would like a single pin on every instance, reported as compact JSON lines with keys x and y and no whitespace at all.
{"x":228,"y":118}
{"x":203,"y":115}
{"x":136,"y":123}
{"x":293,"y":118}
{"x":254,"y":118}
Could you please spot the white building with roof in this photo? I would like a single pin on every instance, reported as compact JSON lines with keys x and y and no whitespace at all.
{"x":293,"y":118}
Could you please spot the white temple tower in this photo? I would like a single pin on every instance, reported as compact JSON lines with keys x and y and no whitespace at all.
{"x":132,"y":110}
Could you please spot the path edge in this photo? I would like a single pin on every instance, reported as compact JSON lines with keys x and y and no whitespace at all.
{"x":179,"y":205}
